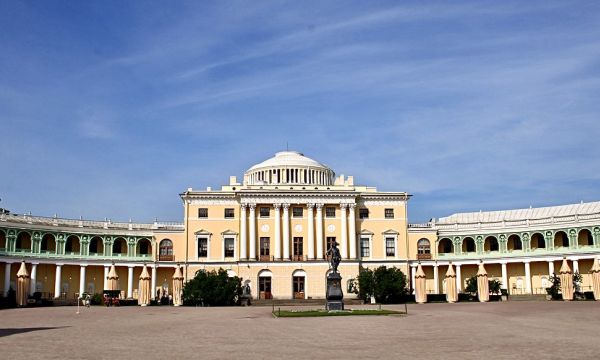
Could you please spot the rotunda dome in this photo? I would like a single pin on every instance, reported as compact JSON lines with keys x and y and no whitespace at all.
{"x":289,"y":167}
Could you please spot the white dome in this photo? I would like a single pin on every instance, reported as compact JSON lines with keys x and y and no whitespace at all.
{"x":289,"y":167}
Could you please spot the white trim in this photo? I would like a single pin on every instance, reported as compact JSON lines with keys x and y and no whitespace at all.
{"x":369,"y":235}
{"x":225,"y":237}
{"x":206,"y":236}
{"x":387,"y":235}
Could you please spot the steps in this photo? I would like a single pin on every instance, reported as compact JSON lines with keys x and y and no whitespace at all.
{"x":301,"y":302}
{"x":527,"y":298}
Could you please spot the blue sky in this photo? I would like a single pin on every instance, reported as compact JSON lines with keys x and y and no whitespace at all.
{"x":110,"y":109}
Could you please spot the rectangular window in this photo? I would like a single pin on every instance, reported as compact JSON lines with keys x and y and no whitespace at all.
{"x":202,"y":247}
{"x":265,"y":245}
{"x":330,"y":241}
{"x":330,"y":212}
{"x":363,"y":213}
{"x":264,"y":211}
{"x":365,"y":248}
{"x":390,"y":249}
{"x":229,"y":248}
{"x":298,"y":249}
{"x":389,"y":213}
{"x":297,"y":212}
{"x":203,"y":212}
{"x":229,"y":213}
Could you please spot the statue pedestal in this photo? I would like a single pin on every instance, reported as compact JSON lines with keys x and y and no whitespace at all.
{"x":335,"y":296}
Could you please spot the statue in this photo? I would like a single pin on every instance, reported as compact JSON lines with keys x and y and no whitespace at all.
{"x":334,"y":252}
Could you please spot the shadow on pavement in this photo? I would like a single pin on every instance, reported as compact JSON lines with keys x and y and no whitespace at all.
{"x":8,"y":332}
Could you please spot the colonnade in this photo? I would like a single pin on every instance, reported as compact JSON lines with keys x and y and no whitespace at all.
{"x":82,"y":278}
{"x":248,"y":233}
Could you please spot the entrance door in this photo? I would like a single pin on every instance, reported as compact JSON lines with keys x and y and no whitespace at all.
{"x":298,"y":287}
{"x":264,"y":287}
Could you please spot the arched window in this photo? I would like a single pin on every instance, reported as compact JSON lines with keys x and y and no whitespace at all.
{"x":166,"y":250}
{"x":423,"y":249}
{"x":445,"y":246}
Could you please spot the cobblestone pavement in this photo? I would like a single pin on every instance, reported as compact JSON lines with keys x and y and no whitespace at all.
{"x":509,"y":330}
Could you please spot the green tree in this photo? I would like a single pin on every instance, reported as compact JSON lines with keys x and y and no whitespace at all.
{"x":493,"y":284}
{"x":212,"y":288}
{"x":554,"y":290}
{"x":387,"y":285}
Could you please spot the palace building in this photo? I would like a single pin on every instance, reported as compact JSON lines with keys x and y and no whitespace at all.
{"x":274,"y":227}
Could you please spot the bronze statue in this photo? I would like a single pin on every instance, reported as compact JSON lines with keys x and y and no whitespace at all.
{"x":334,"y":252}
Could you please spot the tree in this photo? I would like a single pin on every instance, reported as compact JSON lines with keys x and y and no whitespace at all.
{"x":493,"y":284}
{"x":554,"y":290}
{"x":387,"y":285}
{"x":212,"y":288}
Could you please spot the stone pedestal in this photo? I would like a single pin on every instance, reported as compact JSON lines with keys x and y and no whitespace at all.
{"x":335,"y":296}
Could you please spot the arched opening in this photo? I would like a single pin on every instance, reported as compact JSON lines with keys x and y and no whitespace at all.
{"x":165,"y":252}
{"x":48,"y":244}
{"x":72,"y":245}
{"x":445,"y":246}
{"x":96,"y":246}
{"x":514,"y":243}
{"x":264,"y":284}
{"x":119,"y":247}
{"x":584,"y":238}
{"x":144,"y":248}
{"x":423,"y":249}
{"x":2,"y":240}
{"x":538,"y":241}
{"x":23,"y":243}
{"x":298,"y":284}
{"x":561,"y":239}
{"x":468,"y":245}
{"x":491,"y":244}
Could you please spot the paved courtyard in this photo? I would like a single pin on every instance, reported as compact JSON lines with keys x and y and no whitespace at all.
{"x":512,"y":330}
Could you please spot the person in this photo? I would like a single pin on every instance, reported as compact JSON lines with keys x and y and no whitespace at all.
{"x":335,"y":257}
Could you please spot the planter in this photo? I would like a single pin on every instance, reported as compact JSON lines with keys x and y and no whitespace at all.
{"x":549,"y":297}
{"x":504,"y":297}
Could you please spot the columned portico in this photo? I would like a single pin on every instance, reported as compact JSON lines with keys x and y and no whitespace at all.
{"x":130,"y":282}
{"x":527,"y":277}
{"x":504,"y":276}
{"x":575,"y":266}
{"x":277,"y":220}
{"x":550,"y":267}
{"x":57,"y":281}
{"x":413,"y":277}
{"x":243,"y":251}
{"x":344,"y":229}
{"x":311,"y":232}
{"x":352,"y":230}
{"x":436,"y":281}
{"x":286,"y":231}
{"x":319,"y":231}
{"x":82,"y":279}
{"x":153,"y":289}
{"x":105,"y":286}
{"x":33,"y":278}
{"x":252,"y":230}
{"x":6,"y":278}
{"x":458,"y":278}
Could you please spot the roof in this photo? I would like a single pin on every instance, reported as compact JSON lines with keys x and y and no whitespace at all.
{"x":523,"y":214}
{"x":288,"y":158}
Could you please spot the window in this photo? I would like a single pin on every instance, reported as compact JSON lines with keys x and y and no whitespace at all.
{"x":330,"y":212}
{"x":265,"y":245}
{"x":330,"y":242}
{"x":264,"y":211}
{"x":229,"y":213}
{"x":298,"y":287}
{"x":165,"y":250}
{"x":229,"y":247}
{"x":390,"y":248}
{"x":202,"y":247}
{"x":389,"y":213}
{"x":203,"y":212}
{"x":365,"y":247}
{"x":363,"y":213}
{"x":424,"y":247}
{"x":298,"y":251}
{"x":297,"y":212}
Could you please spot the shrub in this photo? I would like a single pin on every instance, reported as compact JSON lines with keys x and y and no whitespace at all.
{"x":493,"y":284}
{"x":554,"y":289}
{"x":212,"y":288}
{"x":387,"y":285}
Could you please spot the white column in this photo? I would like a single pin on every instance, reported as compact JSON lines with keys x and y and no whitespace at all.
{"x":344,"y":242}
{"x":277,"y":221}
{"x":286,"y":231}
{"x":352,"y":231}
{"x":504,"y":276}
{"x":436,"y":279}
{"x":57,"y":280}
{"x":527,"y":278}
{"x":319,"y":231}
{"x":413,"y":277}
{"x":575,"y":266}
{"x":311,"y":232}
{"x":550,"y":267}
{"x":153,"y":289}
{"x":105,"y":286}
{"x":6,"y":278}
{"x":458,"y":279}
{"x":252,"y":222}
{"x":130,"y":282}
{"x":243,"y":251}
{"x":82,"y":280}
{"x":33,"y":279}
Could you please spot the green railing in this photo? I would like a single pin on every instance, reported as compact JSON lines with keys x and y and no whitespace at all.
{"x":519,"y":253}
{"x":71,"y":255}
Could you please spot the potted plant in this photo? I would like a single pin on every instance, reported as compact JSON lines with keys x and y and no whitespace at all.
{"x":553,"y":292}
{"x":495,"y":287}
